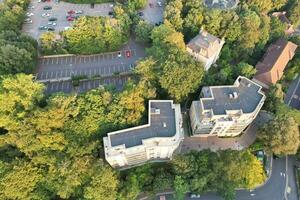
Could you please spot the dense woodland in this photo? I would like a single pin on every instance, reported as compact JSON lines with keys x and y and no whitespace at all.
{"x":51,"y":146}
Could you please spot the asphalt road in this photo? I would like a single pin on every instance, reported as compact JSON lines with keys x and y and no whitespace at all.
{"x":274,"y":189}
{"x":293,"y":94}
{"x":59,"y":10}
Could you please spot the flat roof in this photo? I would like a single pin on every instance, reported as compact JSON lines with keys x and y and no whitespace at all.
{"x":247,"y":97}
{"x":160,"y":125}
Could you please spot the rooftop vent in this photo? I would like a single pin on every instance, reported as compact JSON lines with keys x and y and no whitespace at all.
{"x":155,"y":111}
{"x":235,"y":95}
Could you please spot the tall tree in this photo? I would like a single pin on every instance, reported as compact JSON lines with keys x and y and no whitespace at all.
{"x":280,"y":136}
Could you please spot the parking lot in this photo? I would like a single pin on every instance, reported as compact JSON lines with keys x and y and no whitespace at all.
{"x":154,"y":11}
{"x":67,"y":87}
{"x":107,"y":64}
{"x":59,"y":11}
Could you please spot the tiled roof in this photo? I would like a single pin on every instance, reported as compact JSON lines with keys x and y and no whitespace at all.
{"x":270,"y":69}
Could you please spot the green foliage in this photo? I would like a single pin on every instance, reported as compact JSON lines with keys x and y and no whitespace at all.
{"x":170,"y":66}
{"x":277,"y":28}
{"x":172,"y":14}
{"x":294,"y":12}
{"x":143,"y":31}
{"x":18,"y":53}
{"x":50,"y":45}
{"x":91,"y":35}
{"x":280,"y":135}
{"x":50,"y":146}
{"x":180,"y":187}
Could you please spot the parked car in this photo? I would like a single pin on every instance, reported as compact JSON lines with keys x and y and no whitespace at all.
{"x":51,"y":29}
{"x":70,"y":18}
{"x":78,"y":12}
{"x":47,"y":8}
{"x":28,"y":21}
{"x":92,"y":5}
{"x":52,"y":19}
{"x":159,"y":3}
{"x":140,"y":14}
{"x":67,"y":28}
{"x":29,"y":14}
{"x":71,"y":12}
{"x":128,"y":54}
{"x":110,"y":13}
{"x":43,"y":28}
{"x":119,"y":54}
{"x":45,"y":15}
{"x":52,"y":23}
{"x":193,"y":196}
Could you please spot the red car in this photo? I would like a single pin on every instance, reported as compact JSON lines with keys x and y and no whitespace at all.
{"x":128,"y":54}
{"x":70,"y":19}
{"x":71,"y":12}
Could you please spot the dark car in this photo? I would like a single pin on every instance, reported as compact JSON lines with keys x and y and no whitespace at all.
{"x":51,"y":29}
{"x":52,"y":19}
{"x":43,"y":28}
{"x":47,"y":7}
{"x":92,"y":5}
{"x":141,"y":14}
{"x":110,"y":13}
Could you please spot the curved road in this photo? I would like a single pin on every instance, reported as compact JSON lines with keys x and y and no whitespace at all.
{"x":274,"y":189}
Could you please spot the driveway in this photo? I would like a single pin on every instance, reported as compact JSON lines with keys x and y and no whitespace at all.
{"x":292,"y":97}
{"x":59,"y":11}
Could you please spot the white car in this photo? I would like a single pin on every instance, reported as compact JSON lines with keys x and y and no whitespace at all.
{"x":111,"y":5}
{"x":52,"y":23}
{"x":78,"y":12}
{"x":28,"y":21}
{"x":31,"y":7}
{"x":67,"y":28}
{"x":29,"y":14}
{"x":159,"y":3}
{"x":39,"y":1}
{"x":45,"y":15}
{"x":193,"y":196}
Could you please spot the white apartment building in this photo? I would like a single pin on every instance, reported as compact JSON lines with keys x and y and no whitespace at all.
{"x":226,"y":110}
{"x":205,"y":48}
{"x":155,"y":141}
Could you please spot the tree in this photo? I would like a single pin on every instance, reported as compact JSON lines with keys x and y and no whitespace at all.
{"x":277,"y":28}
{"x":96,"y":34}
{"x":263,"y":6}
{"x":51,"y":45}
{"x":172,"y":14}
{"x":280,"y":136}
{"x":103,"y":185}
{"x":14,"y":60}
{"x":143,"y":31}
{"x":181,"y":187}
{"x":294,"y":13}
{"x":21,"y":182}
{"x":244,"y":69}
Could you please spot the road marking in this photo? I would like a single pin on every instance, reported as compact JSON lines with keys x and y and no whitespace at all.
{"x":297,"y":85}
{"x":47,"y":75}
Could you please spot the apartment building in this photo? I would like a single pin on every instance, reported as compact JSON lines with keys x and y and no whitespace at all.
{"x":205,"y":48}
{"x":155,"y":141}
{"x":225,"y":111}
